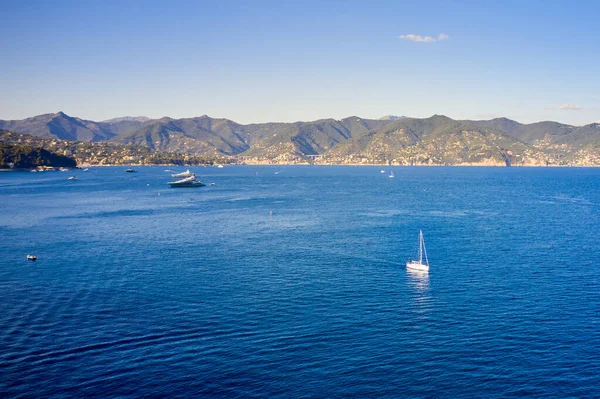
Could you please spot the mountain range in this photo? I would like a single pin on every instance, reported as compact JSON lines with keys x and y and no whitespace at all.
{"x":437,"y":140}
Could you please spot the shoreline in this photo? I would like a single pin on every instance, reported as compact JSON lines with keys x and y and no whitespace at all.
{"x":420,"y":165}
{"x":6,"y":170}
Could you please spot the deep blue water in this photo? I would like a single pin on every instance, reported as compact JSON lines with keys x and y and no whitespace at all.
{"x":201,"y":292}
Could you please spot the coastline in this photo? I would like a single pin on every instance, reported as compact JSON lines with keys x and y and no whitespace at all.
{"x":469,"y":165}
{"x":473,"y":165}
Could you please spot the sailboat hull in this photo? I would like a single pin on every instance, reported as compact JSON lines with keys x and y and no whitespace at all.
{"x":417,"y":266}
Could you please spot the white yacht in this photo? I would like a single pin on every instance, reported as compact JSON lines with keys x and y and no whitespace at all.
{"x":418,"y":264}
{"x":187,"y":182}
{"x":187,"y":173}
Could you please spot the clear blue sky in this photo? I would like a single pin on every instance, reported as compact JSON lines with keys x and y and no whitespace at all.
{"x":257,"y":61}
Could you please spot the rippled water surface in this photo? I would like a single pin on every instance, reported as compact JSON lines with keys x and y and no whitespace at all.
{"x":142,"y":290}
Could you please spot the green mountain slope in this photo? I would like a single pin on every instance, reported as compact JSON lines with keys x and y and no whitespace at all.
{"x":199,"y":136}
{"x":104,"y":152}
{"x":438,"y":140}
{"x":549,"y":132}
{"x":24,"y":156}
{"x":307,"y":138}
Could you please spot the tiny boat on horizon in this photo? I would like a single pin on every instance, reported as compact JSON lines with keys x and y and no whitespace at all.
{"x":72,"y":178}
{"x":130,"y":170}
{"x":31,"y":257}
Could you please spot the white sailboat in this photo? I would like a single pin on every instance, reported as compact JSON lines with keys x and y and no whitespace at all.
{"x":391,"y":176}
{"x":418,"y":264}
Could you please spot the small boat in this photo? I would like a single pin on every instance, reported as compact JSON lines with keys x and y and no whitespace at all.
{"x":418,"y":264}
{"x":33,"y":170}
{"x":212,"y":184}
{"x":72,"y":178}
{"x":382,"y":171}
{"x":219,"y":166}
{"x":391,"y":176}
{"x":187,"y":182}
{"x":187,"y":173}
{"x":63,"y":169}
{"x":130,"y":170}
{"x":31,"y":257}
{"x":86,"y":169}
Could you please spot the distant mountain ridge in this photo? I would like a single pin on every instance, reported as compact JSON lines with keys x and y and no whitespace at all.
{"x":391,"y":118}
{"x":61,"y":126}
{"x":437,"y":140}
{"x":141,"y":119}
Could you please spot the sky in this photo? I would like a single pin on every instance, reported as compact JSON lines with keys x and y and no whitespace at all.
{"x":259,"y":61}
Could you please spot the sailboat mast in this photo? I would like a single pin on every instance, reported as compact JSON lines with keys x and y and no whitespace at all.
{"x":425,"y":251}
{"x":420,"y":246}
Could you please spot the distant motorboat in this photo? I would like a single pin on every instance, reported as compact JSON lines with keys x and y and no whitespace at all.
{"x":31,"y":257}
{"x":187,"y":182}
{"x":72,"y":178}
{"x":382,"y":171}
{"x":130,"y":170}
{"x":219,"y":166}
{"x":63,"y":169}
{"x":86,"y":169}
{"x":33,"y":170}
{"x":418,"y":264}
{"x":187,"y":173}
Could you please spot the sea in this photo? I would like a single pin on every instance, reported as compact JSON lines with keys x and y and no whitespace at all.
{"x":291,"y":282}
